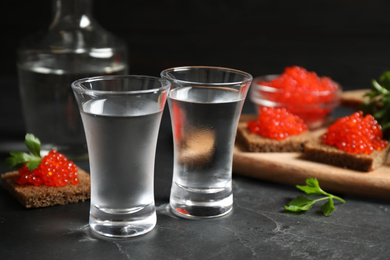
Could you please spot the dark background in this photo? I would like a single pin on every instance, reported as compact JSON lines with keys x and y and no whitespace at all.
{"x":348,"y":40}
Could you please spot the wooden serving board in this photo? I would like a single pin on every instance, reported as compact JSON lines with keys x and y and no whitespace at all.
{"x":292,"y":169}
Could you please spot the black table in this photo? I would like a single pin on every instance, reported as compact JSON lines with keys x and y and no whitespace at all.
{"x":258,"y":227}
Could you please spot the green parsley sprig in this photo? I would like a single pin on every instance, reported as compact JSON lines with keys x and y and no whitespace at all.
{"x":304,"y":203}
{"x":33,"y":159}
{"x":378,"y":103}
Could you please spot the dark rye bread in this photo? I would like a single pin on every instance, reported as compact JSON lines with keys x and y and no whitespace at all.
{"x":315,"y":151}
{"x":256,"y":143}
{"x":46,"y":196}
{"x":354,"y":98}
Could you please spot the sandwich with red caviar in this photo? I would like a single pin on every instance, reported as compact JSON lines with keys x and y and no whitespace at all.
{"x":354,"y":142}
{"x":274,"y":130}
{"x":43,"y":182}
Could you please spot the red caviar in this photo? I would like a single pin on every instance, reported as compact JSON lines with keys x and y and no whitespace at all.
{"x":296,"y":78}
{"x":54,"y":170}
{"x":303,"y":93}
{"x":277,"y":123}
{"x":356,"y":134}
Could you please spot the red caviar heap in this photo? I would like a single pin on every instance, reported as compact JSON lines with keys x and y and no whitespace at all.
{"x":54,"y":170}
{"x":356,"y":134}
{"x":303,"y":93}
{"x":296,"y":78}
{"x":276,"y":123}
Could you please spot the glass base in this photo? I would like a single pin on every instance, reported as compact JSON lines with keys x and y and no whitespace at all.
{"x":122,"y":225}
{"x":197,"y":204}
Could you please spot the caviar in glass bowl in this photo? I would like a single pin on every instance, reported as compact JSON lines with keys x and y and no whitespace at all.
{"x":301,"y":92}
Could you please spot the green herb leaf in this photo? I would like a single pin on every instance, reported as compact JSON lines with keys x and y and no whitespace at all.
{"x":328,"y":207}
{"x":303,"y":203}
{"x":378,"y":104}
{"x":379,"y":88}
{"x":33,"y":144}
{"x":17,"y":159}
{"x":32,"y":161}
{"x":385,"y":79}
{"x":33,"y":164}
{"x":312,"y":187}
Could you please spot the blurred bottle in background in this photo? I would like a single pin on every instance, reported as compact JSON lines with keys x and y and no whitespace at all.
{"x":73,"y":47}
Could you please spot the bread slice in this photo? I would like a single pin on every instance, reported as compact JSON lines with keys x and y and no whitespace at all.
{"x":327,"y":154}
{"x":46,"y":196}
{"x":256,"y":143}
{"x":355,"y":98}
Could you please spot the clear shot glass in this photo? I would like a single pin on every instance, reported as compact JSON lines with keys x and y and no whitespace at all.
{"x":121,"y":117}
{"x":205,"y":105}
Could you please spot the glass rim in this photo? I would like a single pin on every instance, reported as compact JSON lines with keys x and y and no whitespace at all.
{"x":248,"y":76}
{"x":77,"y":85}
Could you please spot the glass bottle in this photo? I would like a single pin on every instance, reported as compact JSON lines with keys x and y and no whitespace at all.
{"x":73,"y":47}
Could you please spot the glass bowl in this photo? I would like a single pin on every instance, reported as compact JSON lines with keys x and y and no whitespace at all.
{"x":314,"y":107}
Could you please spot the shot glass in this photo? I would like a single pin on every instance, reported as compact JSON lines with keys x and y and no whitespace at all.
{"x":121,"y":117}
{"x":205,"y":105}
